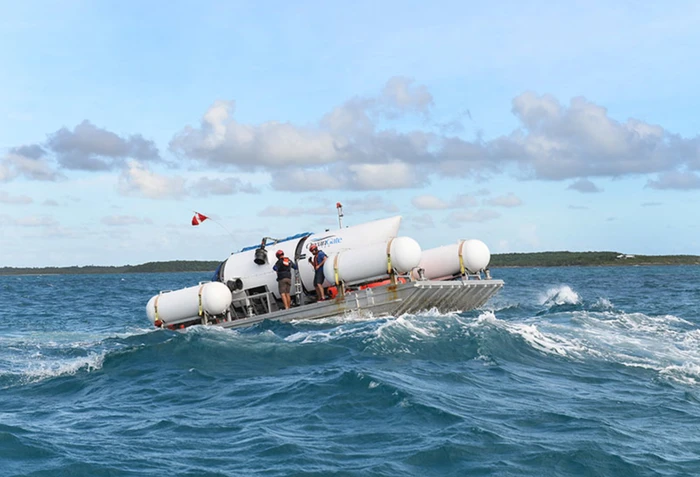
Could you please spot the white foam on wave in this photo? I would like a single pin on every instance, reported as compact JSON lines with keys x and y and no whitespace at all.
{"x":343,"y":325}
{"x":348,"y":317}
{"x":417,"y":330}
{"x":504,"y":306}
{"x":204,"y":330}
{"x":561,"y":295}
{"x":414,"y":327}
{"x":389,"y":333}
{"x":39,"y":368}
{"x":326,"y":335}
{"x":64,"y":367}
{"x":531,"y":332}
{"x":661,"y":343}
{"x":487,"y":317}
{"x":546,"y":342}
{"x":66,"y":339}
{"x":431,"y":313}
{"x":42,"y":355}
{"x":687,"y":373}
{"x":603,"y":304}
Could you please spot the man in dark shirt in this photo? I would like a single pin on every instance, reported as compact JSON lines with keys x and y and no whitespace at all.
{"x":317,"y":261}
{"x":283,"y":267}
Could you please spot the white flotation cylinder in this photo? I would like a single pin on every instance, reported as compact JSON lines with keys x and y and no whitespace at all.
{"x":373,"y":261}
{"x":465,"y":256}
{"x":177,"y":306}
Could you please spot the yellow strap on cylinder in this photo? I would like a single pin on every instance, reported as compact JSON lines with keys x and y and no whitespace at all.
{"x":335,"y":268}
{"x":155,"y":305}
{"x":389,"y":268}
{"x":461,"y":259}
{"x":201,"y":287}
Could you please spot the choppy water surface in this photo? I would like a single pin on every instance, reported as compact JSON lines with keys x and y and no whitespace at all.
{"x":568,"y":371}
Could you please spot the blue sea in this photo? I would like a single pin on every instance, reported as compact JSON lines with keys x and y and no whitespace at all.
{"x":579,"y":371}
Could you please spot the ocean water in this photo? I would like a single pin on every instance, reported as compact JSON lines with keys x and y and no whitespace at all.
{"x":567,"y":372}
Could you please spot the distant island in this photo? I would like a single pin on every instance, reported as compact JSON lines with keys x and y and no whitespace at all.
{"x":150,"y":267}
{"x":498,"y":260}
{"x":569,"y":259}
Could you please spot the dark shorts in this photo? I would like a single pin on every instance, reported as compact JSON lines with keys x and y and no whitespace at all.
{"x":319,"y":278}
{"x":285,"y":285}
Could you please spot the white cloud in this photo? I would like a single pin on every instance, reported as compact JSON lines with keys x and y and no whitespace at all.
{"x":585,"y":186}
{"x":510,"y":200}
{"x":280,"y":211}
{"x":348,"y":139}
{"x":455,"y":219}
{"x":352,"y":146}
{"x":430,"y":202}
{"x":36,"y":221}
{"x":306,"y":180}
{"x":404,"y":95}
{"x":222,"y":140}
{"x":368,"y":143}
{"x":557,"y":142}
{"x":27,"y":161}
{"x":124,"y":220}
{"x":396,"y":175}
{"x":6,"y":173}
{"x":369,"y":203}
{"x":6,"y":198}
{"x":676,"y":180}
{"x":88,"y":147}
{"x":137,"y":180}
{"x":206,"y":186}
{"x":423,"y":221}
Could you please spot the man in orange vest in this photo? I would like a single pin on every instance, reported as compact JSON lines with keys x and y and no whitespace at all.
{"x":283,"y":267}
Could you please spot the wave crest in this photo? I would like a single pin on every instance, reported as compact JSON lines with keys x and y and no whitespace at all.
{"x":561,"y":295}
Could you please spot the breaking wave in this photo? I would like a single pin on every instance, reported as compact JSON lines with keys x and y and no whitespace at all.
{"x":562,"y":295}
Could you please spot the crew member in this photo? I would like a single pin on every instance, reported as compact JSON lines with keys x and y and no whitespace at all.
{"x":283,"y":267}
{"x":317,"y":261}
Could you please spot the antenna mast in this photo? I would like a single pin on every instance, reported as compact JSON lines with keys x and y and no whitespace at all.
{"x":339,"y":206}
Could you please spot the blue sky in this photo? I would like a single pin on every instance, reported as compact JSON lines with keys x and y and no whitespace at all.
{"x":532,"y":127}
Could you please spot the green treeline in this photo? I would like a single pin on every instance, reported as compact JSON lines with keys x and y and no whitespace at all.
{"x":567,"y":259}
{"x":150,"y":267}
{"x":539,"y":259}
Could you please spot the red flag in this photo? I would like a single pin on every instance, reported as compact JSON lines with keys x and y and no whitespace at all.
{"x":198,"y":218}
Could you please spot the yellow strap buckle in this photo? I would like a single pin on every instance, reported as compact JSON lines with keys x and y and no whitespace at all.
{"x":335,"y":268}
{"x":389,"y":268}
{"x":200,"y":299}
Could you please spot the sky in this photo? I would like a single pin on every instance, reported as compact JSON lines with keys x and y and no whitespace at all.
{"x":532,"y":126}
